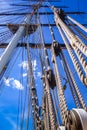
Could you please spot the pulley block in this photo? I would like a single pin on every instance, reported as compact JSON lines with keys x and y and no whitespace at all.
{"x":77,"y":120}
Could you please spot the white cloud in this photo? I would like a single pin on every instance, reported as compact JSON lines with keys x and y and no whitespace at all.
{"x":11,"y":82}
{"x":24,"y":64}
{"x":17,"y":84}
{"x":39,"y":74}
{"x":34,"y":64}
{"x":6,"y":81}
{"x":24,"y":74}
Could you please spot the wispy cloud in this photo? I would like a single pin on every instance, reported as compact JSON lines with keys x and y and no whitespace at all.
{"x":38,"y":74}
{"x":34,"y":64}
{"x":24,"y":74}
{"x":11,"y":82}
{"x":24,"y":65}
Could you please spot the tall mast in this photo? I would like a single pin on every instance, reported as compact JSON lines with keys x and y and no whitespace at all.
{"x":4,"y":59}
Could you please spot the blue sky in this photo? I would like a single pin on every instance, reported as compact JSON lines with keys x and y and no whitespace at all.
{"x":13,"y":85}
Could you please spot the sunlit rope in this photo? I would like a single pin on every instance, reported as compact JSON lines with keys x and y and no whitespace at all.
{"x":79,"y":55}
{"x":73,"y":38}
{"x":74,"y":60}
{"x":80,"y":33}
{"x":28,"y":88}
{"x":58,"y":105}
{"x":63,"y":106}
{"x":75,"y":88}
{"x":41,"y":37}
{"x":47,"y":114}
{"x":55,"y":106}
{"x":62,"y":100}
{"x":32,"y":85}
{"x":49,"y":98}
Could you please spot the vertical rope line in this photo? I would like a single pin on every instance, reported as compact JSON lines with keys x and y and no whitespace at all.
{"x":74,"y":60}
{"x":62,"y":100}
{"x":51,"y":107}
{"x":73,"y":38}
{"x":82,"y":103}
{"x":61,"y":97}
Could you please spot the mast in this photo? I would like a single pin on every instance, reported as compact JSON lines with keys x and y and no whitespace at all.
{"x":4,"y":59}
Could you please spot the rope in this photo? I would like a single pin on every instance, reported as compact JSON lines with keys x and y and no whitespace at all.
{"x":73,"y":38}
{"x":81,"y":34}
{"x":47,"y":115}
{"x":81,"y":59}
{"x":35,"y":106}
{"x":62,"y":100}
{"x":43,"y":45}
{"x":69,"y":80}
{"x":75,"y":62}
{"x":55,"y":106}
{"x":75,"y":87}
{"x":50,"y":104}
{"x":77,"y":23}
